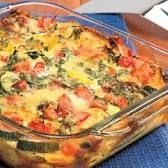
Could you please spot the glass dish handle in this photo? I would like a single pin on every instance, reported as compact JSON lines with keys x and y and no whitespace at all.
{"x":135,"y":117}
{"x":134,"y":124}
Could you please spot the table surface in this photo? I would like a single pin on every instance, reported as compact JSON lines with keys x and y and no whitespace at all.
{"x":152,"y":150}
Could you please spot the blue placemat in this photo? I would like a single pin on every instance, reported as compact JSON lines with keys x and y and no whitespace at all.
{"x":152,"y":150}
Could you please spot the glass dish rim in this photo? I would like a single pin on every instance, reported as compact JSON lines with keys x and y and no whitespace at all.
{"x":98,"y":128}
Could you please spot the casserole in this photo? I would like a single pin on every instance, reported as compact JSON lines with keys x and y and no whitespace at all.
{"x":41,"y":149}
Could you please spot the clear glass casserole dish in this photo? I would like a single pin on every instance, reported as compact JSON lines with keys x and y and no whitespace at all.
{"x":108,"y":136}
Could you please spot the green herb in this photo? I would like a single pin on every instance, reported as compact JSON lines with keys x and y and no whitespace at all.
{"x":61,"y":73}
{"x":113,"y":55}
{"x":4,"y":42}
{"x":46,"y":60}
{"x":60,"y":36}
{"x":80,"y":64}
{"x":91,"y":73}
{"x":12,"y":60}
{"x":122,"y":72}
{"x":61,"y":61}
{"x":101,"y":66}
{"x":67,"y":52}
{"x":149,"y":90}
{"x":45,"y":48}
{"x":76,"y":33}
{"x":29,"y":40}
{"x":53,"y":28}
{"x":33,"y":54}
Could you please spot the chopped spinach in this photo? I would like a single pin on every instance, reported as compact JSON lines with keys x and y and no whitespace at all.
{"x":61,"y":37}
{"x":91,"y":73}
{"x":80,"y":64}
{"x":61,"y":73}
{"x":67,"y":52}
{"x":33,"y":54}
{"x":4,"y":42}
{"x":113,"y":55}
{"x":12,"y":60}
{"x":122,"y":72}
{"x":76,"y":33}
{"x":101,"y":66}
{"x":149,"y":89}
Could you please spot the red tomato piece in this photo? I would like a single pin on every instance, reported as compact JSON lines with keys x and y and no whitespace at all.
{"x":64,"y":106}
{"x":81,"y":116}
{"x":125,"y":61}
{"x":12,"y":99}
{"x":110,"y":97}
{"x":22,"y":20}
{"x":99,"y":104}
{"x":21,"y":85}
{"x":39,"y":126}
{"x":70,"y":148}
{"x":48,"y":128}
{"x":59,"y":54}
{"x":105,"y":87}
{"x":144,"y":73}
{"x":14,"y":117}
{"x":22,"y":66}
{"x":122,"y":102}
{"x":44,"y":23}
{"x":84,"y":93}
{"x":112,"y":71}
{"x":50,"y":112}
{"x":4,"y":59}
{"x":119,"y":40}
{"x":54,"y":85}
{"x":39,"y":66}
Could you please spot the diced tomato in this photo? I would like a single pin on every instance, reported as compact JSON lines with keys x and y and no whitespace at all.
{"x":122,"y":102}
{"x":137,"y":63}
{"x":144,"y":73}
{"x":39,"y":66}
{"x":125,"y":61}
{"x":110,"y":97}
{"x":84,"y":93}
{"x":70,"y":148}
{"x":44,"y":23}
{"x":112,"y":71}
{"x":54,"y":85}
{"x":22,"y":66}
{"x":39,"y":126}
{"x":81,"y":116}
{"x":105,"y":87}
{"x":21,"y":85}
{"x":17,"y":119}
{"x":119,"y":40}
{"x":14,"y":117}
{"x":48,"y":128}
{"x":4,"y":59}
{"x":12,"y":99}
{"x":50,"y":112}
{"x":59,"y":54}
{"x":129,"y":52}
{"x":64,"y":106}
{"x":22,"y":20}
{"x":99,"y":104}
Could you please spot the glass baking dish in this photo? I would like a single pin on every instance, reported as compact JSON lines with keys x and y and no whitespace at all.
{"x":108,"y":136}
